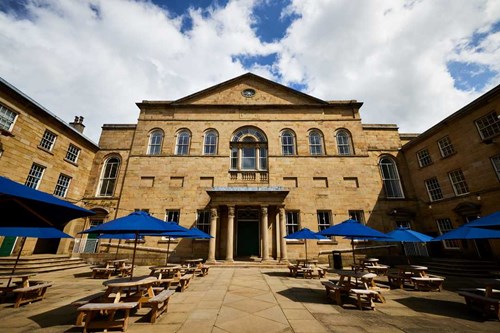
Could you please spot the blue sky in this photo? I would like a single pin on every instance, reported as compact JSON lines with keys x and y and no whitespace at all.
{"x":411,"y":62}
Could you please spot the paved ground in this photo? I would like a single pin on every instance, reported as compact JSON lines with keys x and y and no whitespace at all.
{"x":252,"y":300}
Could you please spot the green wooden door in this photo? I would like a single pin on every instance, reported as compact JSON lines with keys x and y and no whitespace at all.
{"x":7,"y":246}
{"x":248,"y":239}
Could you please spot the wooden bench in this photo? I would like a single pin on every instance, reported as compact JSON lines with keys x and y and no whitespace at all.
{"x":102,"y":272}
{"x":334,"y":291}
{"x":159,"y":304}
{"x":94,"y":298}
{"x":107,"y":312}
{"x":428,"y":283}
{"x":125,"y":270}
{"x":397,"y":281}
{"x":487,"y":306}
{"x":31,"y":294}
{"x":184,"y":282}
{"x":364,"y":298}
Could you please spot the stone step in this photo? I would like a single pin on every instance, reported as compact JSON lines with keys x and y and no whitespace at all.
{"x":40,"y":263}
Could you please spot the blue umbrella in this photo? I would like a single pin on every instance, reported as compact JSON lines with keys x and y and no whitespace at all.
{"x":405,"y":235}
{"x":466,"y":232}
{"x":33,"y":208}
{"x":305,"y":234}
{"x":488,"y":221}
{"x":352,"y":229}
{"x":138,"y":223}
{"x":193,"y":232}
{"x":35,"y":232}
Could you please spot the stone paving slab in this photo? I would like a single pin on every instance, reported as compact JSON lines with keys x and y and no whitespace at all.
{"x":253,"y":299}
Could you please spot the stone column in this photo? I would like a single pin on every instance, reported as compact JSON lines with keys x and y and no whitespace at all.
{"x":264,"y":232}
{"x":213,"y":231}
{"x":284,"y":256}
{"x":230,"y":234}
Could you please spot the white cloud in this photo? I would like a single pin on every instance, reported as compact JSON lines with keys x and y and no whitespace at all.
{"x":97,"y":58}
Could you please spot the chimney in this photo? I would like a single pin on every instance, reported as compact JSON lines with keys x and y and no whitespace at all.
{"x":78,"y":124}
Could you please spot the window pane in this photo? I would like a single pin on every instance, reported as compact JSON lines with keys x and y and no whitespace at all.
{"x":7,"y":118}
{"x":34,"y":176}
{"x":292,"y":222}
{"x":210,"y":144}
{"x":48,"y":140}
{"x":203,"y":221}
{"x":343,"y":143}
{"x":390,"y":178}
{"x":109,"y":176}
{"x":488,"y":125}
{"x":315,"y":144}
{"x":72,"y":153}
{"x":287,"y":144}
{"x":62,"y":186}
{"x":155,"y":141}
{"x":433,"y":189}
{"x":496,"y":165}
{"x":248,"y":161}
{"x":182,"y":143}
{"x":323,"y":220}
{"x":424,"y":158}
{"x":445,"y":147}
{"x":458,"y":181}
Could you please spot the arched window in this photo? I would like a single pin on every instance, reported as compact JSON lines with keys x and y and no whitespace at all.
{"x":248,"y":150}
{"x":287,"y":143}
{"x":155,"y":142}
{"x":315,"y":143}
{"x":109,"y":176}
{"x":390,"y":178}
{"x":344,"y":144}
{"x":210,"y":143}
{"x":182,"y":146}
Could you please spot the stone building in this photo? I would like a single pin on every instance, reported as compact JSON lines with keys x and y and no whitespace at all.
{"x":42,"y":151}
{"x":455,"y":168}
{"x":249,"y":161}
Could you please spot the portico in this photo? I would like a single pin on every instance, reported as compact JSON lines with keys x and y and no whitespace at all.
{"x":247,"y":222}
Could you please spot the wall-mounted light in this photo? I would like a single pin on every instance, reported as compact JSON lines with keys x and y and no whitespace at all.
{"x":1,"y":149}
{"x":478,"y":197}
{"x":430,"y":206}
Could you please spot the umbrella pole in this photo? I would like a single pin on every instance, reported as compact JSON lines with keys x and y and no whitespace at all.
{"x":117,"y":248}
{"x":133,"y":256}
{"x":305,"y":240}
{"x":353,"y":255}
{"x":168,"y":250}
{"x":17,"y":260}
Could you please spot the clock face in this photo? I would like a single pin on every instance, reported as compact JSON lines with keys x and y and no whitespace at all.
{"x":248,"y":92}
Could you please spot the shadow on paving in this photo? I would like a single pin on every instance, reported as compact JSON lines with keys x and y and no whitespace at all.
{"x":438,"y":307}
{"x":278,"y":274}
{"x":64,"y":315}
{"x":304,"y":295}
{"x":83,"y":275}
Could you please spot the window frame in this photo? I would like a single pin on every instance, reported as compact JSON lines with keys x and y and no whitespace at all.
{"x":433,"y":189}
{"x":203,"y":220}
{"x":48,"y":140}
{"x":72,"y":153}
{"x":292,"y":221}
{"x":458,"y":182}
{"x":316,"y":148}
{"x":169,"y":212}
{"x":7,"y":118}
{"x":488,"y":125}
{"x":442,"y":228}
{"x":62,"y":185}
{"x":183,"y":143}
{"x":394,"y":182}
{"x":210,"y":148}
{"x":155,"y":142}
{"x":446,"y":147}
{"x":424,"y":157}
{"x":109,"y":176}
{"x":35,"y":176}
{"x":357,"y":215}
{"x":288,"y":143}
{"x":246,"y":140}
{"x":344,"y":142}
{"x":495,"y":161}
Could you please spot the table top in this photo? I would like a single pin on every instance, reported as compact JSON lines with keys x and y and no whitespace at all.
{"x":16,"y":275}
{"x":117,"y":260}
{"x":194,"y":260}
{"x":164,"y":268}
{"x":370,"y":260}
{"x":354,"y":274}
{"x":412,"y":267}
{"x":127,"y":282}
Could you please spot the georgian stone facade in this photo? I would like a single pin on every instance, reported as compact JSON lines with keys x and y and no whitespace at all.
{"x":248,"y":161}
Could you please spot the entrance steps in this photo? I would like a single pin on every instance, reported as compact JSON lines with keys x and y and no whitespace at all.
{"x":249,"y":263}
{"x":40,"y":263}
{"x":459,"y":267}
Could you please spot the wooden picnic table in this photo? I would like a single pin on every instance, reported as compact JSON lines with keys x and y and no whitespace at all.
{"x":162,"y":272}
{"x":304,"y":262}
{"x":24,"y":277}
{"x":412,"y":270}
{"x":139,"y":289}
{"x":192,"y":262}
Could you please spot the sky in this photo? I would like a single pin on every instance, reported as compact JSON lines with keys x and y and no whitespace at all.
{"x":411,"y":62}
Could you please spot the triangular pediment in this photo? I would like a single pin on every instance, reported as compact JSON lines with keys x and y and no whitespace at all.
{"x":249,"y":89}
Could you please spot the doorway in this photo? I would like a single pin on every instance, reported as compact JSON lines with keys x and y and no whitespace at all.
{"x":248,"y":238}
